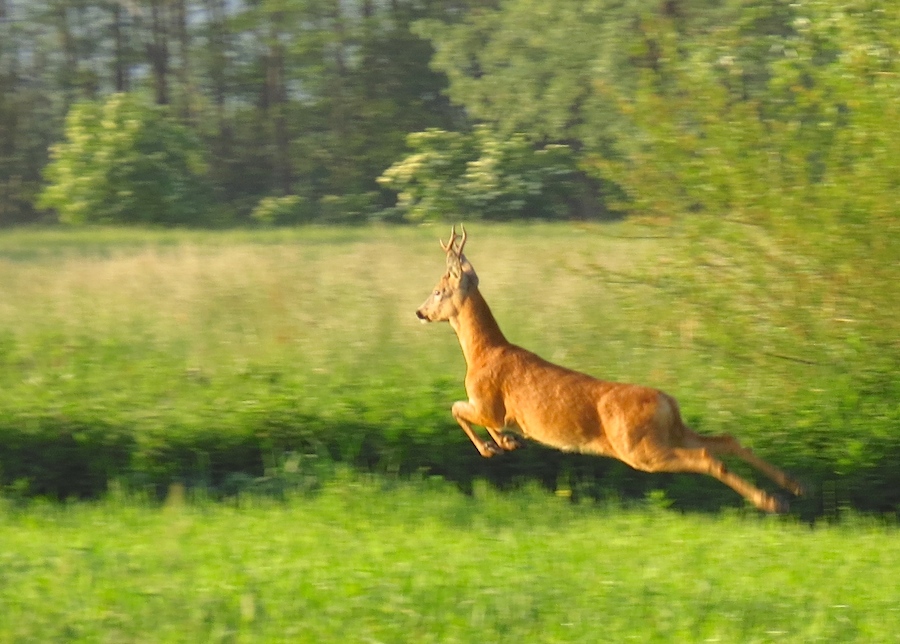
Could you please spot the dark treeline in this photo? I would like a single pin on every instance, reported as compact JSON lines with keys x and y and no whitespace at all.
{"x":284,"y":111}
{"x":302,"y":97}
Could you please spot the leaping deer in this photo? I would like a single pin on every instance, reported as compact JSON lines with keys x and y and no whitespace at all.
{"x":512,"y":388}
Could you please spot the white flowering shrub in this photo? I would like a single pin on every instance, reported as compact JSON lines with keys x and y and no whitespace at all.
{"x":287,"y":209}
{"x":481,"y":176}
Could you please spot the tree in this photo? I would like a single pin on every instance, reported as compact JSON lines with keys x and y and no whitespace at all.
{"x":311,"y":98}
{"x":482,"y":176}
{"x":126,"y":161}
{"x":28,"y":117}
{"x":782,"y":135}
{"x":552,"y":72}
{"x":690,"y":105}
{"x":546,"y":69}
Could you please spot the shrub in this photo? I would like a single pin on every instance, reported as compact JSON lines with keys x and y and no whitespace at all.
{"x":280,"y":211}
{"x":354,"y":208}
{"x":481,"y":176}
{"x":126,"y":161}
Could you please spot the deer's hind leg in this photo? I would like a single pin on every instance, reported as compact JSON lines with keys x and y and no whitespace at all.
{"x":726,"y":445}
{"x":699,"y":461}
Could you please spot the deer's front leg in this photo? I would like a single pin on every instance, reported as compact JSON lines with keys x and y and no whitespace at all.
{"x":466,"y":414}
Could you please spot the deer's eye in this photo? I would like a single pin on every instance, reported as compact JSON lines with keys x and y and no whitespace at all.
{"x":437,"y":292}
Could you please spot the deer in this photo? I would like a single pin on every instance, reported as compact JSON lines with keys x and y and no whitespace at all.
{"x":513,"y":392}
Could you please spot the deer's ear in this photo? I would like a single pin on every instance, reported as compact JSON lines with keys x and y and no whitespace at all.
{"x":468,"y":277}
{"x":454,"y":266}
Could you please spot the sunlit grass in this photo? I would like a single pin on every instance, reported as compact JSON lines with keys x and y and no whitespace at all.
{"x":194,"y":348}
{"x":155,"y":314}
{"x":320,"y":302}
{"x":197,"y":341}
{"x":365,"y":560}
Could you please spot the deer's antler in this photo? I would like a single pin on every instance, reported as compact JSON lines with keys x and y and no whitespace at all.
{"x":449,"y":246}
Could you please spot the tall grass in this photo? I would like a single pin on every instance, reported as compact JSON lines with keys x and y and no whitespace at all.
{"x":152,"y":356}
{"x":371,"y":561}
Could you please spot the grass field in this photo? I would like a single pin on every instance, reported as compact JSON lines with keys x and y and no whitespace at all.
{"x":369,"y":560}
{"x":253,"y":369}
{"x":156,"y":356}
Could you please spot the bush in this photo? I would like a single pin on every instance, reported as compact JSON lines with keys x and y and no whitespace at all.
{"x":481,"y":176}
{"x":780,"y":131}
{"x":354,"y":208}
{"x":282,"y":211}
{"x":126,"y":161}
{"x":61,"y":457}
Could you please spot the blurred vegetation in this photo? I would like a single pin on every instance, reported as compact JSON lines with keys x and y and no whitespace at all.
{"x":481,"y":176}
{"x":234,"y":359}
{"x":769,"y":111}
{"x":126,"y":161}
{"x":369,"y":559}
{"x":753,"y":144}
{"x":286,"y":97}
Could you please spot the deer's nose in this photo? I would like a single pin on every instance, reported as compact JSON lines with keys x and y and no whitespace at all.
{"x":420,"y":315}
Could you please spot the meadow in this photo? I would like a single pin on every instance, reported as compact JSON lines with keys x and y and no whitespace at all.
{"x":228,"y":360}
{"x":245,"y":436}
{"x":367,"y":559}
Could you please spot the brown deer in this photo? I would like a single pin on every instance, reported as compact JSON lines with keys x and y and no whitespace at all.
{"x":512,"y":388}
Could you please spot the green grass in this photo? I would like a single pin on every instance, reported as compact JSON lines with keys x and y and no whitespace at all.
{"x":243,"y":361}
{"x":152,"y":356}
{"x":367,"y":560}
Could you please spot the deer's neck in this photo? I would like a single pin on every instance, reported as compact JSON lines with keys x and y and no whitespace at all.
{"x":476,"y":328}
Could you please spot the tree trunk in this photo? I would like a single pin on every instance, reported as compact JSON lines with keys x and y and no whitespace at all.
{"x":121,"y":74}
{"x":338,"y":103}
{"x":276,"y":101}
{"x":218,"y":64}
{"x":184,"y":60}
{"x":158,"y":50}
{"x":69,"y":49}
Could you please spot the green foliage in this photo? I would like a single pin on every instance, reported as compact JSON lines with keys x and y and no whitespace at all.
{"x":553,"y":70}
{"x":784,"y":140}
{"x":789,"y":154}
{"x":355,"y":208}
{"x":771,"y":112}
{"x":214,"y":359}
{"x":368,"y":559}
{"x":286,"y":96}
{"x":766,"y":110}
{"x":125,"y":161}
{"x":529,"y":66}
{"x":287,"y":209}
{"x":482,"y":176}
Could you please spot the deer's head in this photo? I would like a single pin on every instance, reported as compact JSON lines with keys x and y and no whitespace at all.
{"x":455,"y":285}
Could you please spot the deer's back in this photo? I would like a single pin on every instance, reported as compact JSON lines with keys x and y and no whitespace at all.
{"x":560,"y":407}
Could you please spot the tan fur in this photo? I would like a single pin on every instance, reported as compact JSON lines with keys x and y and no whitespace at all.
{"x":512,"y":388}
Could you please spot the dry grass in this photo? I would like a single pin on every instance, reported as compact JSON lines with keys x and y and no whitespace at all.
{"x":190,"y":329}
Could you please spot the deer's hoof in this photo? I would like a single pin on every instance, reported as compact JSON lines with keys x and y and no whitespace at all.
{"x":489,"y":449}
{"x":510,"y":442}
{"x":798,"y":489}
{"x":779,"y":505}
